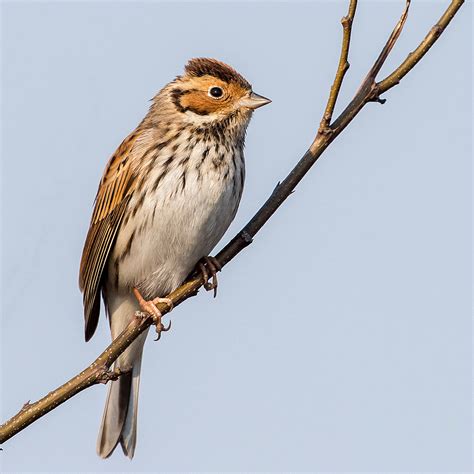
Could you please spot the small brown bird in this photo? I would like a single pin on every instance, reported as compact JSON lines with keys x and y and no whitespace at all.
{"x":167,"y":196}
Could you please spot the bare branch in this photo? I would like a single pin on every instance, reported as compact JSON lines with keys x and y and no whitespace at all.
{"x":342,"y":67}
{"x":412,"y":59}
{"x":379,"y":62}
{"x":98,"y":371}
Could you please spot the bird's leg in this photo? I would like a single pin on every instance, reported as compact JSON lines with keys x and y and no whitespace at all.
{"x":209,"y":265}
{"x":151,"y":308}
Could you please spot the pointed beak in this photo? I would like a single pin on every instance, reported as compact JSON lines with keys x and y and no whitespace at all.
{"x":254,"y":101}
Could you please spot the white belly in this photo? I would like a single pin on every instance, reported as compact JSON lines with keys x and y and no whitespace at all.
{"x":179,"y":222}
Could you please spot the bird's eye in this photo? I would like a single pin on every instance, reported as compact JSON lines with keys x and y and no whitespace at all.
{"x":215,"y":92}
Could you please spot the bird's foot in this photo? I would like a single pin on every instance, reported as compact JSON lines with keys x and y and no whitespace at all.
{"x":208,"y":268}
{"x":149,"y":306}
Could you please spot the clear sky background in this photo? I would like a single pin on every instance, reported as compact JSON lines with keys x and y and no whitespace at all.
{"x":341,"y":339}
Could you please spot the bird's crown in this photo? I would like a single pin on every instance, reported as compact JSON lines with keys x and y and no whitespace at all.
{"x":198,"y":67}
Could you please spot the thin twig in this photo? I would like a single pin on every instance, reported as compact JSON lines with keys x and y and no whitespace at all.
{"x":342,"y":67}
{"x":379,"y":62}
{"x":98,"y":371}
{"x":412,"y":59}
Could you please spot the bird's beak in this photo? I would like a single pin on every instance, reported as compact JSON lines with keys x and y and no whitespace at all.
{"x":254,"y":101}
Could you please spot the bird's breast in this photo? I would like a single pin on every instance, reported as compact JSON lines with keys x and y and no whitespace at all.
{"x":187,"y":197}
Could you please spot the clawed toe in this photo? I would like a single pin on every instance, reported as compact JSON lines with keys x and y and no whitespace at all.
{"x":208,"y":267}
{"x":161,"y":328}
{"x":151,"y":308}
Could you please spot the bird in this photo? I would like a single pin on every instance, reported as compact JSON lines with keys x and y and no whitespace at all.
{"x":166,"y":197}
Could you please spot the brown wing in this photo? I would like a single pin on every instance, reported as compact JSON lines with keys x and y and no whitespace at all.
{"x":111,"y":202}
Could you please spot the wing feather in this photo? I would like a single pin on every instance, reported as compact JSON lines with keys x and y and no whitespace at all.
{"x":115,"y":190}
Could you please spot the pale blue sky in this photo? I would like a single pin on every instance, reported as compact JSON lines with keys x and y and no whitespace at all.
{"x":341,"y":339}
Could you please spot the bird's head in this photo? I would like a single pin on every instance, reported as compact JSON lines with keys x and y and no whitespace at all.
{"x":210,"y":91}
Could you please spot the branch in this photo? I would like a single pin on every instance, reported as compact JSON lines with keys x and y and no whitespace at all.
{"x":342,"y":67}
{"x":368,"y":90}
{"x":375,"y":69}
{"x":412,"y":59}
{"x":98,"y":371}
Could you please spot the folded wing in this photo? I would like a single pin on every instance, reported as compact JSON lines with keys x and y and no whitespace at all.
{"x":115,"y":190}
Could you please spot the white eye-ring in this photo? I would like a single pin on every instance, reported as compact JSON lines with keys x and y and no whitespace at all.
{"x":215,"y":92}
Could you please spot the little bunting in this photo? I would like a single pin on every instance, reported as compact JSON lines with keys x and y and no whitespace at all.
{"x":166,"y":197}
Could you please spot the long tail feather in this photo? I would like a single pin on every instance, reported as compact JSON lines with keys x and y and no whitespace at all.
{"x":119,"y":421}
{"x":115,"y":414}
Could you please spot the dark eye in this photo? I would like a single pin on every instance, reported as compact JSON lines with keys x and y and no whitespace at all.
{"x":215,"y":92}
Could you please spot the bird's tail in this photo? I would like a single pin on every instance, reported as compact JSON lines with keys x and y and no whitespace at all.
{"x":119,"y":422}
